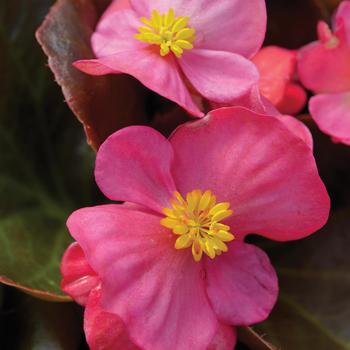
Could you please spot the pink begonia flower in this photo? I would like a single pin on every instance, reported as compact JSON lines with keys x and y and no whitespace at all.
{"x":277,"y":67}
{"x":172,"y":261}
{"x":104,"y":330}
{"x":324,"y":68}
{"x":180,"y":48}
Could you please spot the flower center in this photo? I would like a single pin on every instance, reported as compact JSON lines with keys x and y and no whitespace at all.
{"x":196,"y":221}
{"x":169,"y":32}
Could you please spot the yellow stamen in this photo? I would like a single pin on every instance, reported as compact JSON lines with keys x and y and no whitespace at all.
{"x":169,"y":32}
{"x":196,"y":220}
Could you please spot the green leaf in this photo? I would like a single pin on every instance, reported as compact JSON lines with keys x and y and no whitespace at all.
{"x":46,"y":168}
{"x":313,"y":310}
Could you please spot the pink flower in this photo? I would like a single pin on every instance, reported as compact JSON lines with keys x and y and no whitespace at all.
{"x":277,"y":67}
{"x":324,"y":68}
{"x":172,"y":261}
{"x":182,"y":48}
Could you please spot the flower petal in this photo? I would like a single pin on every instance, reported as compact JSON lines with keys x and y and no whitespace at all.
{"x":224,"y":339}
{"x":133,"y":165}
{"x":219,"y":76}
{"x":343,"y":18}
{"x":157,"y":290}
{"x":324,"y":68}
{"x":235,"y":26}
{"x":78,"y":276}
{"x":242,"y":285}
{"x":298,"y":128}
{"x":103,"y":330}
{"x":294,"y":100}
{"x":276,"y":66}
{"x":253,"y":161}
{"x":331,"y":112}
{"x":115,"y":33}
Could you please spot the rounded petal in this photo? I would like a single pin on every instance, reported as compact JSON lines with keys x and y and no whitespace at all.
{"x":298,"y":128}
{"x":242,"y":285}
{"x":103,"y":330}
{"x":254,"y":162}
{"x":78,"y":276}
{"x":224,"y":339}
{"x":294,"y":100}
{"x":331,"y":113}
{"x":219,"y":76}
{"x":343,"y":18}
{"x":133,"y":165}
{"x":235,"y":26}
{"x":276,"y":66}
{"x":157,"y":290}
{"x":324,"y":68}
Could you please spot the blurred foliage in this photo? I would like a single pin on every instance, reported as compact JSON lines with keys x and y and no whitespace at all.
{"x":46,"y":168}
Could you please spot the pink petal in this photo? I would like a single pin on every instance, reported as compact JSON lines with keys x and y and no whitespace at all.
{"x":78,"y":276}
{"x":298,"y":128}
{"x":219,"y":76}
{"x":294,"y":100}
{"x":254,"y":162}
{"x":343,"y":18}
{"x":133,"y":165}
{"x":324,"y":68}
{"x":224,"y":339}
{"x":103,"y":330}
{"x":276,"y":67}
{"x":235,"y":26}
{"x":115,"y":32}
{"x":242,"y":285}
{"x":157,"y":290}
{"x":117,"y":51}
{"x":331,"y":112}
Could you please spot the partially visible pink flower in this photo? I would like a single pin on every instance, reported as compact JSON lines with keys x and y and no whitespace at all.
{"x":174,"y":266}
{"x":277,"y":68}
{"x":182,"y":48}
{"x":324,"y":68}
{"x":105,"y":330}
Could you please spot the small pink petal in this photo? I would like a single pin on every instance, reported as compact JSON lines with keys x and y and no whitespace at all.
{"x":78,"y":276}
{"x":294,"y":99}
{"x":254,"y":162}
{"x":343,"y":18}
{"x":276,"y":66}
{"x":235,"y":26}
{"x":219,"y":76}
{"x":103,"y":330}
{"x":242,"y":285}
{"x":331,"y":112}
{"x":157,"y":290}
{"x":324,"y":67}
{"x":224,"y":339}
{"x":133,"y":165}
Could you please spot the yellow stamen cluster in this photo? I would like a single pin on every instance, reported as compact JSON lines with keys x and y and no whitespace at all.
{"x":196,"y":221}
{"x":169,"y":32}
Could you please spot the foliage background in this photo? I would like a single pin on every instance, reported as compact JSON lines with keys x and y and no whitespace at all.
{"x":46,"y":172}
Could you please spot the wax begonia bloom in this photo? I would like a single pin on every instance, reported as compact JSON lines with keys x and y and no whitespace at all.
{"x":235,"y":171}
{"x":277,"y":68}
{"x":104,"y":330}
{"x":324,"y":68}
{"x":179,"y":48}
